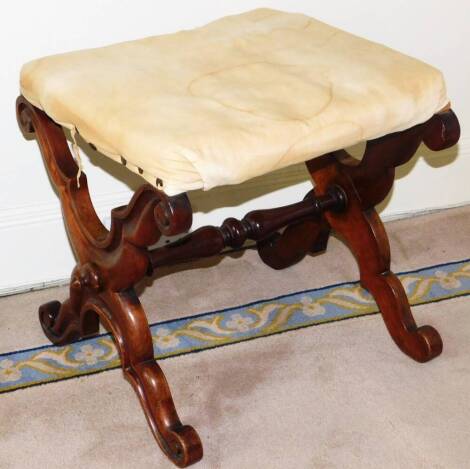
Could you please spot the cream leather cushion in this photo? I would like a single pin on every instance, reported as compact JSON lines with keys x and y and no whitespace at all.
{"x":234,"y":99}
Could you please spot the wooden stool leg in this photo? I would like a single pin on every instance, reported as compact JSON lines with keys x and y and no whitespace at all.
{"x":123,"y":315}
{"x":110,"y":263}
{"x":364,"y":233}
{"x":365,"y":184}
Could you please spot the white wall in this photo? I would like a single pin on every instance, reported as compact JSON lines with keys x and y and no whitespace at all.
{"x":33,"y":246}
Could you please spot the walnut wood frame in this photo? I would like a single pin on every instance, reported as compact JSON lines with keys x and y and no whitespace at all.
{"x":110,"y":262}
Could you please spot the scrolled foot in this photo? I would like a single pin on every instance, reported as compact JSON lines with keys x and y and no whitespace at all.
{"x":185,"y":447}
{"x":62,"y":325}
{"x":432,"y":343}
{"x":420,"y":343}
{"x":58,"y":326}
{"x":179,"y":442}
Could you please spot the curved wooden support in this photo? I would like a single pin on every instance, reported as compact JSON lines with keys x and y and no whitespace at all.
{"x":366,"y":183}
{"x":365,"y":235}
{"x":120,"y":254}
{"x":109,"y":264}
{"x":131,"y":333}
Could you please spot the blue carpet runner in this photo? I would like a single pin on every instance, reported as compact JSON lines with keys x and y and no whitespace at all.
{"x":40,"y":365}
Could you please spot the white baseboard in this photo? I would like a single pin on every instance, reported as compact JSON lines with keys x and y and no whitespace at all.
{"x":35,"y":254}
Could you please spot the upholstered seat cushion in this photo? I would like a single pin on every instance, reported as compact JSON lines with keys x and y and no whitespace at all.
{"x":234,"y":99}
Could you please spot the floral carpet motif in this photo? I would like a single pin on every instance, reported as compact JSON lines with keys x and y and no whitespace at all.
{"x":45,"y":364}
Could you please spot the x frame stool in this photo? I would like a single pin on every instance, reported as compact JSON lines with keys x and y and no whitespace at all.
{"x":110,"y":262}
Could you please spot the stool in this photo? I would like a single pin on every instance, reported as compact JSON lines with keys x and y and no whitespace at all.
{"x":237,"y":98}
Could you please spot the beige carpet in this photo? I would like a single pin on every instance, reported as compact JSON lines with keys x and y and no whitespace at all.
{"x":338,"y":395}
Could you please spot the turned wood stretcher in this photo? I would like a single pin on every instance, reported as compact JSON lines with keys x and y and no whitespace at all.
{"x":110,"y":262}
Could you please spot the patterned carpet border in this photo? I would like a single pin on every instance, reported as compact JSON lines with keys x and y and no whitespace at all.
{"x":25,"y":368}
